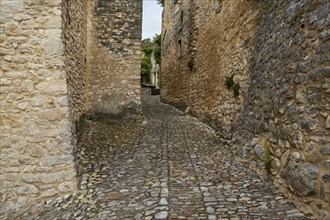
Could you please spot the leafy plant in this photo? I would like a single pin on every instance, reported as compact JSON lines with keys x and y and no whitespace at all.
{"x":147,"y":46}
{"x":191,"y":63}
{"x":145,"y":64}
{"x":158,"y":49}
{"x":229,"y":81}
{"x":151,"y":49}
{"x":236,"y":87}
{"x":230,"y":84}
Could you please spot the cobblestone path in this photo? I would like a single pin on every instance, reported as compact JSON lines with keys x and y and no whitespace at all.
{"x":170,"y":168}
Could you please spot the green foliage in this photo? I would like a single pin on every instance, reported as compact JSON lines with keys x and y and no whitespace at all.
{"x":161,"y":2}
{"x":236,"y":88}
{"x":147,"y":46}
{"x":191,"y":63}
{"x":268,"y":162}
{"x":158,"y":49}
{"x":229,"y":81}
{"x":145,"y":65}
{"x":298,"y":15}
{"x":230,"y":84}
{"x":150,"y":48}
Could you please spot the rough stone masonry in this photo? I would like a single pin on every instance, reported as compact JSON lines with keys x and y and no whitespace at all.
{"x":60,"y":62}
{"x":274,"y":56}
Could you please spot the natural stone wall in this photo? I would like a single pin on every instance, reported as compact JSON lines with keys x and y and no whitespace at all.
{"x":278,"y":53}
{"x":60,"y":60}
{"x":114,"y":50}
{"x":75,"y":37}
{"x":36,"y":152}
{"x":177,"y":50}
{"x":287,"y":105}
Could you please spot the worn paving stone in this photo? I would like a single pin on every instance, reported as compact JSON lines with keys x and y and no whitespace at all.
{"x":171,"y":167}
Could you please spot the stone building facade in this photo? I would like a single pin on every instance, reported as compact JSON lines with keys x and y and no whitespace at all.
{"x":274,"y":56}
{"x":60,"y":61}
{"x":114,"y":50}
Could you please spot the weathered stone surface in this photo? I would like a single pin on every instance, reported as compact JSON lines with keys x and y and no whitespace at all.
{"x":51,"y":88}
{"x":30,"y":178}
{"x":161,"y":215}
{"x":67,"y":186}
{"x":27,"y":189}
{"x":38,"y":101}
{"x":54,"y":177}
{"x":325,"y":150}
{"x":33,"y":77}
{"x":113,"y":82}
{"x":8,"y":6}
{"x":277,"y":52}
{"x":55,"y":160}
{"x":146,"y":176}
{"x":326,"y":178}
{"x":311,"y":153}
{"x":327,"y":122}
{"x":259,"y":151}
{"x":301,"y":178}
{"x":48,"y":193}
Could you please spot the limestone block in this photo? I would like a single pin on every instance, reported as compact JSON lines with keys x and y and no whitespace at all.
{"x":23,"y":200}
{"x":53,"y":45}
{"x":23,"y":105}
{"x":63,"y":101}
{"x":12,"y":6}
{"x":309,"y":124}
{"x":67,"y":186}
{"x":259,"y":151}
{"x":58,"y":176}
{"x":36,"y":151}
{"x":27,"y":189}
{"x":297,"y":139}
{"x":55,"y":160}
{"x":327,"y":122}
{"x":5,"y":82}
{"x":30,"y":178}
{"x":51,"y":114}
{"x":48,"y":192}
{"x":44,"y":2}
{"x":16,"y":74}
{"x":311,"y":153}
{"x":325,"y":150}
{"x":295,"y":157}
{"x":38,"y":101}
{"x":52,"y":87}
{"x":301,"y":178}
{"x":325,"y":187}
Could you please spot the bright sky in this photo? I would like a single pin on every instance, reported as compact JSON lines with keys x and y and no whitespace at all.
{"x":152,"y":18}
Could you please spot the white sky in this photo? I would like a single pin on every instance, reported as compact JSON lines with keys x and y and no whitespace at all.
{"x":152,"y":19}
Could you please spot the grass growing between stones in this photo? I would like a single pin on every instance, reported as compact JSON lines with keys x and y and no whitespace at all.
{"x":268,"y":160}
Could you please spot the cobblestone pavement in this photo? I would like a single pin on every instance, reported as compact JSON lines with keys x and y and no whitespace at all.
{"x":172,"y":167}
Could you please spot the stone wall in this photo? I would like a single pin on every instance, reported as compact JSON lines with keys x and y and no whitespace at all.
{"x":177,"y":45}
{"x":36,"y":151}
{"x":60,"y":60}
{"x":114,"y":50}
{"x":287,"y":105}
{"x":278,"y":54}
{"x":75,"y":38}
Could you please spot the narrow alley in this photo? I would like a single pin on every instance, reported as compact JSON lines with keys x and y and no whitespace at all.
{"x":171,"y":167}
